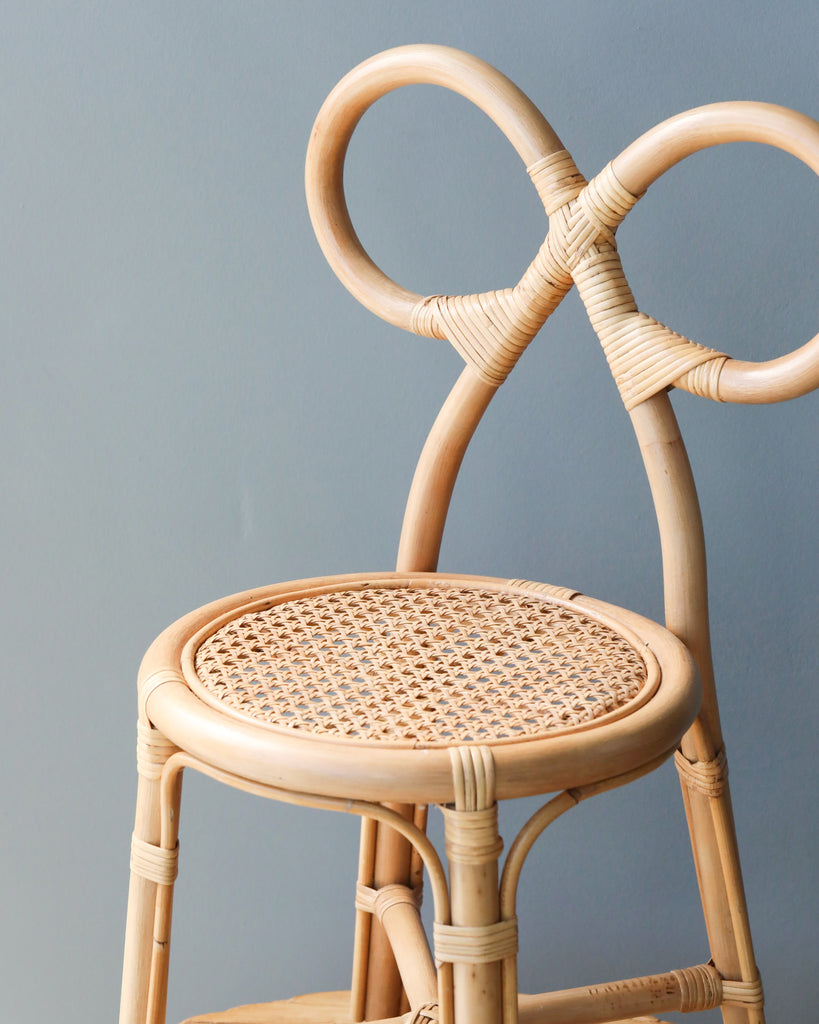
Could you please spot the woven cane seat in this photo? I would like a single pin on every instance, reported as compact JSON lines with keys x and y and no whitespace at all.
{"x":421,"y":663}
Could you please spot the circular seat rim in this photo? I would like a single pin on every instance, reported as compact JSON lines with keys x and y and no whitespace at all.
{"x":382,"y":772}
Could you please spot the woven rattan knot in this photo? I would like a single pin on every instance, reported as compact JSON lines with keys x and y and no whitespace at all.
{"x":556,"y":179}
{"x":606,"y":201}
{"x":700,"y":987}
{"x":547,"y":589}
{"x":153,"y":862}
{"x":378,"y":901}
{"x":707,"y":777}
{"x":489,"y":330}
{"x":425,"y":320}
{"x":153,"y":750}
{"x":703,"y":380}
{"x":585,"y":224}
{"x":476,"y":944}
{"x":743,"y":993}
{"x":472,"y":836}
{"x":394,"y":895}
{"x":426,"y":1014}
{"x":473,"y":776}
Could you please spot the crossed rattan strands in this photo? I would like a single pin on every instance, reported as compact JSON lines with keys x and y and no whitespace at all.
{"x":422,"y":666}
{"x":376,"y":694}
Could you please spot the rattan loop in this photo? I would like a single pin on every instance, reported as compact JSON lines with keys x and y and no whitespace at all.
{"x":707,"y":777}
{"x":477,"y":944}
{"x":700,"y":987}
{"x":153,"y":862}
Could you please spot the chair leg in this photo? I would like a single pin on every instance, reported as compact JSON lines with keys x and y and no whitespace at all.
{"x":477,"y":940}
{"x":152,"y":872}
{"x":716,"y":855}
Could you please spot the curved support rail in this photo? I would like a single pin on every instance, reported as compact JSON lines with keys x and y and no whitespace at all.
{"x":414,"y":835}
{"x":655,"y":152}
{"x":544,"y":816}
{"x":376,"y":812}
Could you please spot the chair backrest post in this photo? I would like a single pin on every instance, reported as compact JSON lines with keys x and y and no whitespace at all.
{"x":682,"y":541}
{"x":436,"y":471}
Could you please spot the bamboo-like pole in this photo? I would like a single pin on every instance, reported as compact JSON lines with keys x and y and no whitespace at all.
{"x":170,"y":796}
{"x":629,"y":998}
{"x":363,"y":920}
{"x":139,"y":928}
{"x":375,"y":813}
{"x":474,"y":895}
{"x":424,"y":521}
{"x":710,"y":818}
{"x":402,"y":924}
{"x":437,"y":469}
{"x":147,"y":875}
{"x":393,"y":856}
{"x":683,"y":552}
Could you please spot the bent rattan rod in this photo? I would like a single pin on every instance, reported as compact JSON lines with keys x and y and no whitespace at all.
{"x":660,"y":148}
{"x":686,"y":612}
{"x":436,"y":474}
{"x":511,"y":110}
{"x":377,"y":812}
{"x":571,"y":207}
{"x":632,"y":171}
{"x":519,"y":851}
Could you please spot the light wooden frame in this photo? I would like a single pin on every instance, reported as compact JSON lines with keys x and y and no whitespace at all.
{"x":475,"y":935}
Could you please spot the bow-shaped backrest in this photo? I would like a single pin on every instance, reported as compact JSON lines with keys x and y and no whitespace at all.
{"x":491,"y":329}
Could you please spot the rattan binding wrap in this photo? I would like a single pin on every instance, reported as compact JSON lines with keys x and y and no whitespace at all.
{"x":430,"y":665}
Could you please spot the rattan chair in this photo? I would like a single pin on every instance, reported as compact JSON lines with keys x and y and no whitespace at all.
{"x":381,"y":694}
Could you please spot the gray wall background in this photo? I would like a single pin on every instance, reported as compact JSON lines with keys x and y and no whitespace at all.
{"x":191,"y":405}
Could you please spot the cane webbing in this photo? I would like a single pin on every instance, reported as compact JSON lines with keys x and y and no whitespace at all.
{"x":421,"y":665}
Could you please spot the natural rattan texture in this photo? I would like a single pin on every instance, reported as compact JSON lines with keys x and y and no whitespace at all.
{"x":381,"y":694}
{"x":426,"y":665}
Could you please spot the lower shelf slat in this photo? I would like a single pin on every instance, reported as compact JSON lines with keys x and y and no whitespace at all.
{"x":316,"y":1008}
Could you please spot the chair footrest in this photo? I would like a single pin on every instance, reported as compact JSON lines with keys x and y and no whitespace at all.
{"x":317,"y":1008}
